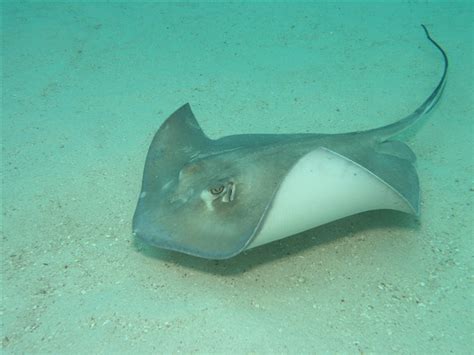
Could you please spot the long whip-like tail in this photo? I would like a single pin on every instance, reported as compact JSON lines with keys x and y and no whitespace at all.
{"x":383,"y":133}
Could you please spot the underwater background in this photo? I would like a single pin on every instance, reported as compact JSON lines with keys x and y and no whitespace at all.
{"x":86,"y":85}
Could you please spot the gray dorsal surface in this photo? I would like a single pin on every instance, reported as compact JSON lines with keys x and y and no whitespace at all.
{"x":210,"y":198}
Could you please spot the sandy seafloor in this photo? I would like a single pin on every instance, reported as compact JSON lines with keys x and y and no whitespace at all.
{"x":85,"y":86}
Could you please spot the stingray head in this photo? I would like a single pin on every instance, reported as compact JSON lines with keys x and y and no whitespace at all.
{"x":209,"y":208}
{"x":200,"y":197}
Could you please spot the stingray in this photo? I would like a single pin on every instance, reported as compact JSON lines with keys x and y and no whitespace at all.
{"x":214,"y":198}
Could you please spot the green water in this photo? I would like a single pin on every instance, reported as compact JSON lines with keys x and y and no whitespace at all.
{"x":84,"y":88}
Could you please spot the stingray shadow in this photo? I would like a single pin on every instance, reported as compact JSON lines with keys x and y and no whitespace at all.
{"x":285,"y":248}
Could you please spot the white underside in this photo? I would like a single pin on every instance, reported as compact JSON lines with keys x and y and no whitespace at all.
{"x":324,"y":186}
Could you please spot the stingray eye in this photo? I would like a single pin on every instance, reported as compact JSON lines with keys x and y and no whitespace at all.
{"x":217,"y":190}
{"x":224,"y":193}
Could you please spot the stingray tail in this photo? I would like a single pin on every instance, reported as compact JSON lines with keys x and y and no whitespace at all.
{"x":383,"y":133}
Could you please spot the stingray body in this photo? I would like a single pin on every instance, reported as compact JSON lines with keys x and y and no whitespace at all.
{"x":216,"y":198}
